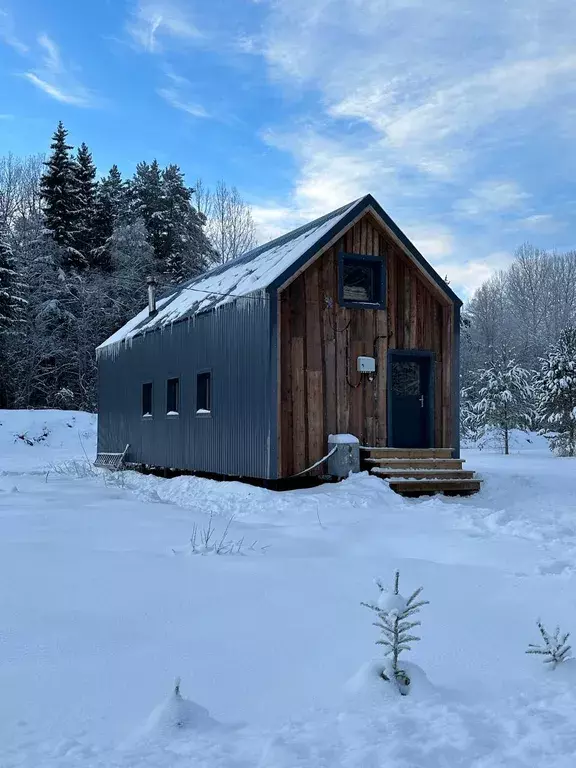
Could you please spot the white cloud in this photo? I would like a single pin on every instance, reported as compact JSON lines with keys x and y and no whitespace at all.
{"x":8,"y":33}
{"x":410,"y":97}
{"x":57,"y":80}
{"x":177,"y":94}
{"x":153,"y":22}
{"x":539,"y":222}
{"x":491,"y":197}
{"x":466,"y":276}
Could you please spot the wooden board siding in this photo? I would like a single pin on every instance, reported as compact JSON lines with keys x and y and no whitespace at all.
{"x":320,"y":390}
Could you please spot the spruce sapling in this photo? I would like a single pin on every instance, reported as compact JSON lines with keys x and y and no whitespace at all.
{"x":554,"y":646}
{"x":393,"y":612}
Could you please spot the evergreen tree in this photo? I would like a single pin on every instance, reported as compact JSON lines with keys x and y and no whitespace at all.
{"x":393,"y":613}
{"x":175,"y":228}
{"x":85,"y":177}
{"x":12,"y":302}
{"x":185,"y":247}
{"x":12,"y":306}
{"x":506,"y":393}
{"x":59,"y":194}
{"x":556,"y":394}
{"x":111,"y":212}
{"x":147,"y":204}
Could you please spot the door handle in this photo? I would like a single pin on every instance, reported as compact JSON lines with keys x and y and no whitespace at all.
{"x":421,"y":401}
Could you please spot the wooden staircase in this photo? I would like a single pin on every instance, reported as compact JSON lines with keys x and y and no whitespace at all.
{"x":416,"y":472}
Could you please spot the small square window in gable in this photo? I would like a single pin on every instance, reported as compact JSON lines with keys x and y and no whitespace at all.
{"x":362,"y":281}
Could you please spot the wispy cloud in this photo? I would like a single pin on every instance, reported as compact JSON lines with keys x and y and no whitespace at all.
{"x":178,"y":95}
{"x":491,"y":197}
{"x":8,"y":33}
{"x":417,"y":103}
{"x":539,"y":222}
{"x":153,"y":23}
{"x":58,"y":80}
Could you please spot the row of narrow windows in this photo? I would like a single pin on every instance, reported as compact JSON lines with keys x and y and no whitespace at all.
{"x":203,"y":396}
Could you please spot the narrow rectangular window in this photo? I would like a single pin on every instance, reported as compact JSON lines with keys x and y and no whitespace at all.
{"x":203,"y":393}
{"x":173,"y":397}
{"x":147,"y":399}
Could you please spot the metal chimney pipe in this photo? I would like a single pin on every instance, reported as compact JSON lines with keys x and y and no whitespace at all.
{"x":151,"y":282}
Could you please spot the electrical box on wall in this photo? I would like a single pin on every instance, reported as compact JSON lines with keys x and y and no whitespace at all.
{"x":366,"y":365}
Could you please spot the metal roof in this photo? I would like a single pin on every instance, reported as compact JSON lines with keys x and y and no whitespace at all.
{"x":267,"y":266}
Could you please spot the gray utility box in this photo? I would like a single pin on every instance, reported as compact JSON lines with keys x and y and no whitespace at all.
{"x":346,"y":457}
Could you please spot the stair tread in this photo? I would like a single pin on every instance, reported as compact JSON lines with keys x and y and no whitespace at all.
{"x":447,"y":474}
{"x":432,"y":481}
{"x":416,"y":462}
{"x":391,"y":450}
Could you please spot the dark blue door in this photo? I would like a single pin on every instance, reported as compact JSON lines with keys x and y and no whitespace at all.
{"x":410,"y":405}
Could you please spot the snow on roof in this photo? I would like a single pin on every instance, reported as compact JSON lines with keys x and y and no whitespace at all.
{"x":248,"y":274}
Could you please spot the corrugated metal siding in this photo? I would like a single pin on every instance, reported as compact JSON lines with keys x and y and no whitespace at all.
{"x":234,"y":343}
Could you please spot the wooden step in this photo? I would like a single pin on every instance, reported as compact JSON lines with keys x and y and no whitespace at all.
{"x":416,"y":463}
{"x":407,"y":453}
{"x":424,"y":474}
{"x":422,"y":487}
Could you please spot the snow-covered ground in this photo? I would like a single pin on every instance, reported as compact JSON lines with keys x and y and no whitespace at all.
{"x":104,"y":602}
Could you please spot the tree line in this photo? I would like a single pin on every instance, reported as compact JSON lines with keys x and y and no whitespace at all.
{"x":519,"y":351}
{"x":75,"y":251}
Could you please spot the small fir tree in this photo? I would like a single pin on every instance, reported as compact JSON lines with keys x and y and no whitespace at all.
{"x":60,"y":200}
{"x":556,"y":395}
{"x":85,"y":182}
{"x":554,"y":647}
{"x":393,"y":619}
{"x":506,"y":393}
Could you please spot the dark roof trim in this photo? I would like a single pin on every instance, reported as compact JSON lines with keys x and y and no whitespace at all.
{"x":361,"y":206}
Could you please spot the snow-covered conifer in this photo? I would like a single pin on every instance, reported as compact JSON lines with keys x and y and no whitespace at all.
{"x":111,"y":212}
{"x":60,"y":199}
{"x":85,"y":177}
{"x":556,"y":394}
{"x":506,"y":393}
{"x":393,"y":619}
{"x":12,"y":300}
{"x":185,"y":247}
{"x":554,"y":647}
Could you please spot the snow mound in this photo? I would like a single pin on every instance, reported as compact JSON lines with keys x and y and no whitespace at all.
{"x":173,"y":718}
{"x":367,"y":685}
{"x":30,"y":440}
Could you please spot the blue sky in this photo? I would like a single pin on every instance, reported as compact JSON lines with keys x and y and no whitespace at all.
{"x":458,"y":115}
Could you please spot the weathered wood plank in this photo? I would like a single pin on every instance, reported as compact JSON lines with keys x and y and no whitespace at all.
{"x":391,"y":305}
{"x":286,"y":457}
{"x":316,"y":438}
{"x":328,"y":299}
{"x":299,"y":404}
{"x":446,"y":374}
{"x":414,"y":310}
{"x":314,"y":390}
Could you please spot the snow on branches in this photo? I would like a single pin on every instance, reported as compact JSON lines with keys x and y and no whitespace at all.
{"x":556,"y":394}
{"x":504,"y":400}
{"x":393,"y":619}
{"x":554,"y":647}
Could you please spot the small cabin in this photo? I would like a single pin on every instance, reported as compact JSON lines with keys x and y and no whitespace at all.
{"x":338,"y":327}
